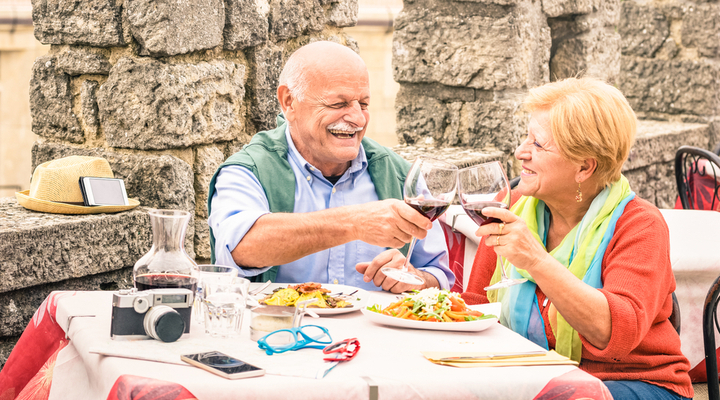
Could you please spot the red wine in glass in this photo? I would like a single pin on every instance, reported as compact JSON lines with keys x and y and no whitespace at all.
{"x":474,"y":211}
{"x":431,"y":209}
{"x":164,"y":281}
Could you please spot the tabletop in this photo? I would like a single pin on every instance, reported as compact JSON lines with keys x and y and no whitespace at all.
{"x":388,"y":364}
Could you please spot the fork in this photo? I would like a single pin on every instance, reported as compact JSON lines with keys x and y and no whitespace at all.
{"x":260,"y":289}
{"x":341,"y":294}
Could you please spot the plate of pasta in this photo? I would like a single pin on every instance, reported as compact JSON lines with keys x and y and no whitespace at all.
{"x":348,"y":298}
{"x":433,"y":309}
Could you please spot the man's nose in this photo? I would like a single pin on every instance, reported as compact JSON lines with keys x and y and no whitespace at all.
{"x":355,"y":114}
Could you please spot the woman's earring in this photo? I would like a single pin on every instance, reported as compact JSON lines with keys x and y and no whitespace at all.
{"x":578,"y":195}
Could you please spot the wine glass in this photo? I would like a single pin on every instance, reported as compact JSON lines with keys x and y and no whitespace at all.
{"x":429,"y":188}
{"x":481,"y":186}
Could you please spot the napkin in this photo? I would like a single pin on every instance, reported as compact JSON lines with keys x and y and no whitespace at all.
{"x":487,"y":359}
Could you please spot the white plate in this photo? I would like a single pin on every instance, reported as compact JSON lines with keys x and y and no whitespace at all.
{"x":361,"y":294}
{"x":467,"y":326}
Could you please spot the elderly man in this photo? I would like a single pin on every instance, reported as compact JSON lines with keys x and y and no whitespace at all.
{"x":315,"y":200}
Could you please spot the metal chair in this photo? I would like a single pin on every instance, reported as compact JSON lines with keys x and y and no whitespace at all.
{"x":696,"y":170}
{"x":710,"y":323}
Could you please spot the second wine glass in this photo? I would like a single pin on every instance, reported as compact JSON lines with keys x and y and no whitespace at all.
{"x":429,"y":188}
{"x":486,"y":185}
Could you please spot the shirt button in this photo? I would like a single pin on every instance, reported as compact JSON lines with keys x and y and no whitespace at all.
{"x":335,"y":282}
{"x":312,"y":168}
{"x":308,"y":178}
{"x":333,"y":190}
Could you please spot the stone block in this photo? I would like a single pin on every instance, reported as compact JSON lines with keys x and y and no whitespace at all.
{"x":657,"y":141}
{"x":483,"y":123}
{"x":655,"y":183}
{"x":595,"y":53}
{"x":246,"y":23}
{"x":39,"y":248}
{"x":557,"y":8}
{"x":147,"y":104}
{"x":207,"y":161}
{"x":158,"y":181}
{"x":701,"y":29}
{"x":166,"y":27}
{"x":671,"y":86}
{"x":87,"y":22}
{"x":266,"y":63}
{"x":78,"y":61}
{"x":51,"y":103}
{"x":471,"y":45}
{"x":292,"y":18}
{"x":18,"y":307}
{"x":643,"y":28}
{"x":460,"y":156}
{"x":202,"y":239}
{"x":344,"y":13}
{"x":89,"y":108}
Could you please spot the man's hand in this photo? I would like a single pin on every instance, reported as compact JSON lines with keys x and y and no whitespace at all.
{"x":389,"y":223}
{"x":393,"y":259}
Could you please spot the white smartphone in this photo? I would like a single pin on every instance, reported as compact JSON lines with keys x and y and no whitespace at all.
{"x":222,"y":364}
{"x":103,"y":191}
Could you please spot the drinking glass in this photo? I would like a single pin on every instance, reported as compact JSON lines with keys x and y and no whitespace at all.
{"x":429,"y":188}
{"x":224,"y":306}
{"x":207,"y":273}
{"x":486,"y":185}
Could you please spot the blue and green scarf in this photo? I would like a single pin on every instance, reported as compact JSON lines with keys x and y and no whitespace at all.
{"x":581,"y":251}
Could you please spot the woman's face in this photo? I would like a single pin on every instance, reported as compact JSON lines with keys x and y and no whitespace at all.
{"x":546,"y":175}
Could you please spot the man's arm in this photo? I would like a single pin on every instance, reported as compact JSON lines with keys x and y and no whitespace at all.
{"x":265,"y":239}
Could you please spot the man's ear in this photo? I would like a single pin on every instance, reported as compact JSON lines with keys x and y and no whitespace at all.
{"x":587,"y":169}
{"x":287,"y":105}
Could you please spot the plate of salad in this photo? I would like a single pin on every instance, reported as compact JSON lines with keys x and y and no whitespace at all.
{"x":433,"y":309}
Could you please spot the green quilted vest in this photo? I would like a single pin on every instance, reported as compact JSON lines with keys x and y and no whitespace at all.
{"x":266,"y":157}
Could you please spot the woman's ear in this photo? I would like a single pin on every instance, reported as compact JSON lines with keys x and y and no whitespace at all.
{"x":587,"y":169}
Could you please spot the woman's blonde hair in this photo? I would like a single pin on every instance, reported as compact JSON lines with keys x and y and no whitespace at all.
{"x":588,"y":119}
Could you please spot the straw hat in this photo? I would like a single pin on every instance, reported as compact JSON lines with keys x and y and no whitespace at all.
{"x":55,"y":186}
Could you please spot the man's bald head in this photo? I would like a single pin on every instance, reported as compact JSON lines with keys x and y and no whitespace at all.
{"x":314,"y":61}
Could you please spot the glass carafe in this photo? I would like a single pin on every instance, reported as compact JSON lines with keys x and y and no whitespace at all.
{"x":167,"y":265}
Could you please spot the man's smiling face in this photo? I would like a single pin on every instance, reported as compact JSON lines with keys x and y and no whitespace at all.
{"x":329,"y":121}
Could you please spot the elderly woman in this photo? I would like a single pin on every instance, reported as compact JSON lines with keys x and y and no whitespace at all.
{"x":595,"y":255}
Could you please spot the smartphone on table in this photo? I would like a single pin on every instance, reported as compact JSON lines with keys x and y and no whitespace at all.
{"x":222,"y":364}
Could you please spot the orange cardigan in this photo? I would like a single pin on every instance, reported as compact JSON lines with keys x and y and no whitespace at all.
{"x":638,"y":282}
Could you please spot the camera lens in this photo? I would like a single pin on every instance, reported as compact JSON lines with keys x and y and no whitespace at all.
{"x":164,"y":323}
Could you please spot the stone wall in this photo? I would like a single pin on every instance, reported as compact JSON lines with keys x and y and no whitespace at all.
{"x":167,"y":90}
{"x":464,"y":67}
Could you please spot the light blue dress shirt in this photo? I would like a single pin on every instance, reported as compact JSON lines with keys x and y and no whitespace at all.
{"x":239,"y":200}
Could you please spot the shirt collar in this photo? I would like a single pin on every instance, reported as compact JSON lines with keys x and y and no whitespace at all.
{"x":357,"y":166}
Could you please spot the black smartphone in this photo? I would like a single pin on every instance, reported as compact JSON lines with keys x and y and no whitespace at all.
{"x":103,"y":191}
{"x":222,"y":364}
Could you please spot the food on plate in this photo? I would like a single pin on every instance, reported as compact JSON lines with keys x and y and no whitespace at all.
{"x":432,"y":305}
{"x":304,"y":291}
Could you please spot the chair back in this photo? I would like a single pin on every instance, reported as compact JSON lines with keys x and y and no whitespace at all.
{"x":697,"y":173}
{"x":710,"y":323}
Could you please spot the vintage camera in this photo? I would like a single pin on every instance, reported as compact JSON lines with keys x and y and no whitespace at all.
{"x":162,"y":314}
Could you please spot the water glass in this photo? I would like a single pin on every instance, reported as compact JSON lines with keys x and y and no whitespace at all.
{"x":224,"y":306}
{"x":207,"y":273}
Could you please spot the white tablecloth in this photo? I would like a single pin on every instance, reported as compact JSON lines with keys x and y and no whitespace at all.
{"x":390,"y":357}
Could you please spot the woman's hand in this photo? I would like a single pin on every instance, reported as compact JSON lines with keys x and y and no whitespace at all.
{"x":512,"y":239}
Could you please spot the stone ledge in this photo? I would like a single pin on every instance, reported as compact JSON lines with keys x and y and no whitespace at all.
{"x":657,"y":141}
{"x":39,"y":248}
{"x":460,"y":156}
{"x":18,"y":307}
